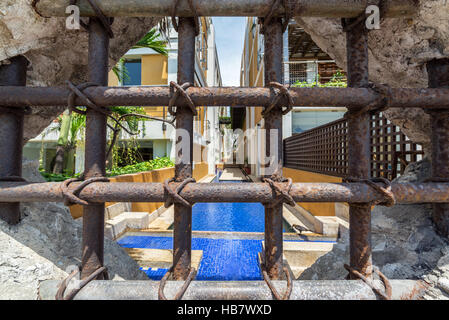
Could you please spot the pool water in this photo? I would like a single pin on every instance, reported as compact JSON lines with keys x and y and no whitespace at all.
{"x":223,"y":259}
{"x":232,"y":217}
{"x":237,"y":217}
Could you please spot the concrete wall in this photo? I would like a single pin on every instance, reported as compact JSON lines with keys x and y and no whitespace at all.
{"x":200,"y":171}
{"x":317,"y":209}
{"x":160,"y":149}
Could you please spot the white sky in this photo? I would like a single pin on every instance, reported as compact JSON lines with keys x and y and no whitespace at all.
{"x":229,"y":36}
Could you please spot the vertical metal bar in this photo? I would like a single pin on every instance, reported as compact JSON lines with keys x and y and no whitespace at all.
{"x":438,"y":71}
{"x":11,"y":134}
{"x":273,"y":121}
{"x":95,"y":153}
{"x":359,"y":151}
{"x":182,"y":232}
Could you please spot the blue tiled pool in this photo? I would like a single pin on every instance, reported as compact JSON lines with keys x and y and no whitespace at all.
{"x":223,"y":259}
{"x":238,"y":217}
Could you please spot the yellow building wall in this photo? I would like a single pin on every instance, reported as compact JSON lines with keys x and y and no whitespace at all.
{"x":112,"y":79}
{"x":200,"y":170}
{"x":317,"y":209}
{"x":154,"y":70}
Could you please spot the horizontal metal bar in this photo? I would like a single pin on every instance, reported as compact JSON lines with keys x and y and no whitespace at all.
{"x":254,"y":8}
{"x":223,"y":192}
{"x":224,"y":96}
{"x":235,"y":290}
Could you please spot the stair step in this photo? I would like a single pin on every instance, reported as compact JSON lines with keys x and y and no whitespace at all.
{"x":115,"y":227}
{"x":301,"y":255}
{"x":116,"y":209}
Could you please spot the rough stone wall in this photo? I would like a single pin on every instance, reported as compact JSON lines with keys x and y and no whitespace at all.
{"x":55,"y":53}
{"x":45,"y":243}
{"x":398,"y":53}
{"x":405,"y":244}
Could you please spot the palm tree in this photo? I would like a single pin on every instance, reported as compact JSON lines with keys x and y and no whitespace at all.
{"x":151,"y":41}
{"x":69,"y":129}
{"x":72,"y":124}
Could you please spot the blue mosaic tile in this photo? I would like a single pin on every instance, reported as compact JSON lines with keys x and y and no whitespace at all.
{"x":237,"y":217}
{"x":223,"y":259}
{"x":155,"y":274}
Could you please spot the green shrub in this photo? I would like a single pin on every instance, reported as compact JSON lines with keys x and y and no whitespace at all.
{"x":338,"y":81}
{"x":157,"y":163}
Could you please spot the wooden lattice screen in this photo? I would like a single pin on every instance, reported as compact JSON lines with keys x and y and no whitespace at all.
{"x":324,"y":149}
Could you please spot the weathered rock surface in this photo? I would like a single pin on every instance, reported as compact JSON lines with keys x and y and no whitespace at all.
{"x":45,"y":244}
{"x":398,"y":53}
{"x":405,"y":244}
{"x":55,"y":53}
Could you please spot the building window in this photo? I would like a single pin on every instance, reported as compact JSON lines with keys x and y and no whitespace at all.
{"x":134,"y":72}
{"x":306,"y":120}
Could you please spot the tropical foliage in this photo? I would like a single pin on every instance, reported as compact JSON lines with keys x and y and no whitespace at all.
{"x":338,"y":81}
{"x":70,"y":126}
{"x":158,"y":163}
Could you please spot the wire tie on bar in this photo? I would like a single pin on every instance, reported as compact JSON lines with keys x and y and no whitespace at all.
{"x":381,"y":104}
{"x":282,"y":193}
{"x":195,"y":16}
{"x":105,"y":21}
{"x":82,"y":284}
{"x":77,"y":91}
{"x":284,"y":91}
{"x":174,"y":196}
{"x":289,"y":8}
{"x":288,"y":291}
{"x":176,"y":90}
{"x":362,"y":17}
{"x":389,"y":198}
{"x":72,"y":197}
{"x":348,"y":27}
{"x":182,"y":290}
{"x":384,"y":295}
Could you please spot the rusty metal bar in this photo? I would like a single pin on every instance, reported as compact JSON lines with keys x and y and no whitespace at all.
{"x":255,"y":8}
{"x":405,"y":193}
{"x":182,"y":227}
{"x":273,"y":259}
{"x":438,"y":71}
{"x":95,"y":153}
{"x":11,"y":134}
{"x":426,"y":98}
{"x":359,"y":153}
{"x":236,"y":290}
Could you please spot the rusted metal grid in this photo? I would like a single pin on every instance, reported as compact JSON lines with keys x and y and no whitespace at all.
{"x":325,"y":149}
{"x":359,"y":191}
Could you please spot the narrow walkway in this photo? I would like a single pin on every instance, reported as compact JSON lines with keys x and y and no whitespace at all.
{"x":232,"y":174}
